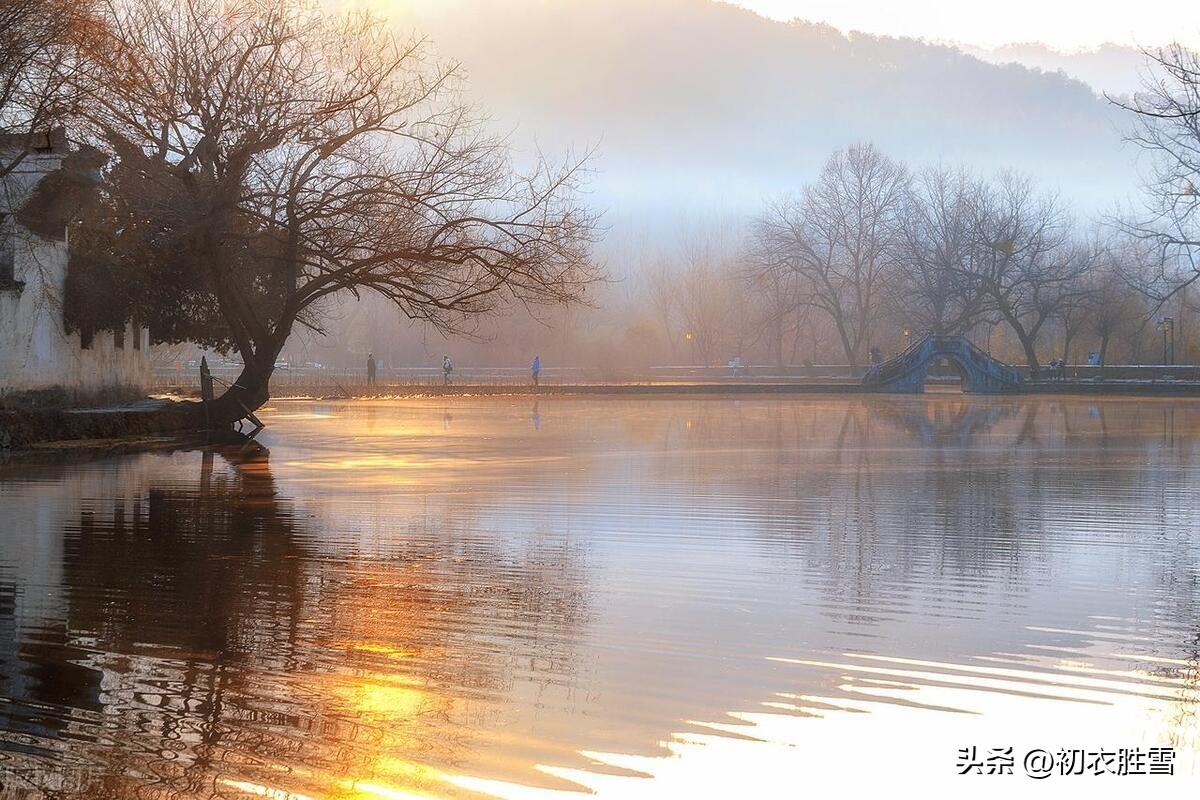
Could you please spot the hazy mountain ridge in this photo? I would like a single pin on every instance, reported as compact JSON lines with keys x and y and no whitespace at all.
{"x":698,"y":105}
{"x":1111,"y":68}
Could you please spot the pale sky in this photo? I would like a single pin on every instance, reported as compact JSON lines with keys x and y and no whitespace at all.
{"x":1064,"y":24}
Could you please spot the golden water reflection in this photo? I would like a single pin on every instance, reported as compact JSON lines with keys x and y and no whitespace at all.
{"x":656,"y":597}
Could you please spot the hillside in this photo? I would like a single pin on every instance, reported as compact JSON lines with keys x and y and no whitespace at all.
{"x":1113,"y":69}
{"x":704,"y":101}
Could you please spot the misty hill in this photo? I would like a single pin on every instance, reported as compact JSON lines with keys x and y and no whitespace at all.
{"x":1111,"y":68}
{"x":697,"y":105}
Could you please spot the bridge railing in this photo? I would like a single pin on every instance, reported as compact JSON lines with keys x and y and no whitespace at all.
{"x":897,"y":365}
{"x":912,"y":356}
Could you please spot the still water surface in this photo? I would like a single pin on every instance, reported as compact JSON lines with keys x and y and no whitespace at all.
{"x":634,"y":597}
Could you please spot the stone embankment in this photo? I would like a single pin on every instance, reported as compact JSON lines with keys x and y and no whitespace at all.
{"x":24,"y":425}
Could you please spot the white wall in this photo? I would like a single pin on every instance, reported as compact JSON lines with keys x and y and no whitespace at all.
{"x":35,"y":350}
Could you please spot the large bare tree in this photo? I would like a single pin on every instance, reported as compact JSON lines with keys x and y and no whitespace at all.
{"x":841,"y":239}
{"x":939,"y":268}
{"x":1029,"y":268}
{"x":266,"y":156}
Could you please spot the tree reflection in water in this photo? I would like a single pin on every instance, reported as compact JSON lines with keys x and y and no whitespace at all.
{"x":203,"y":643}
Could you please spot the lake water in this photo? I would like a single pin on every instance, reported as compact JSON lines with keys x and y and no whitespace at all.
{"x":652,"y":597}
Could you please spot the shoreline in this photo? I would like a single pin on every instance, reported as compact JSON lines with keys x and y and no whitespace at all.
{"x":114,"y":429}
{"x":1116,"y":388}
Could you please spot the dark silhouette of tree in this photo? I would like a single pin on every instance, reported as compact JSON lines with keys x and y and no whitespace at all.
{"x":266,"y":157}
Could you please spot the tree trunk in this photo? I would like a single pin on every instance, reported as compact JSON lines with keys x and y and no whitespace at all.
{"x":1026,"y":338}
{"x":249,"y":392}
{"x":1031,"y":359}
{"x":851,"y":356}
{"x":778,"y":343}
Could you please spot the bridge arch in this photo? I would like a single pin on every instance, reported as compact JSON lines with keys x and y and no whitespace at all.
{"x":906,"y":373}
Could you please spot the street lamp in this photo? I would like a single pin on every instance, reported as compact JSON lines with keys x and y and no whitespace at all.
{"x":1166,"y":327}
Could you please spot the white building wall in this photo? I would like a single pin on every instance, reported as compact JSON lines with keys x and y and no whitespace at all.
{"x":35,"y":350}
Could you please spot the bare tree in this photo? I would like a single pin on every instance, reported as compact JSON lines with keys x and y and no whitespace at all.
{"x":705,"y":303}
{"x":1117,"y":309}
{"x":939,"y":271}
{"x":1095,"y":286}
{"x":40,"y":58}
{"x":662,"y":294}
{"x":774,"y":312}
{"x":841,"y":239}
{"x":1167,"y":126}
{"x":269,"y":157}
{"x":1029,"y":269}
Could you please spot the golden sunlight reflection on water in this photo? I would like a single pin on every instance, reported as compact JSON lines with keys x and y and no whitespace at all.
{"x":660,"y":598}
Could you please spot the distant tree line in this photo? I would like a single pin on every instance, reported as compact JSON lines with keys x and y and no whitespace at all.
{"x":873,"y":253}
{"x":871,"y":245}
{"x":871,"y":250}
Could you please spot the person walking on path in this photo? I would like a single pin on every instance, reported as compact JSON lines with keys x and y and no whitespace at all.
{"x":536,"y":369}
{"x":447,"y":368}
{"x":370,"y":369}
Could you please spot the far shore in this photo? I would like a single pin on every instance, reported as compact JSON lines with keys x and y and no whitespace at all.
{"x":119,"y":426}
{"x":410,"y":390}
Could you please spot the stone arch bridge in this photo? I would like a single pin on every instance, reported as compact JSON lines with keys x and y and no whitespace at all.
{"x":981,"y":374}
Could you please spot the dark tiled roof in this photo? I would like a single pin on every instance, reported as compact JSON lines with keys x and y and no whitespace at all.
{"x":51,"y":141}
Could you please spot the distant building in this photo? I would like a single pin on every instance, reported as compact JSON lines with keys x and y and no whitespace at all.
{"x":36,"y":352}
